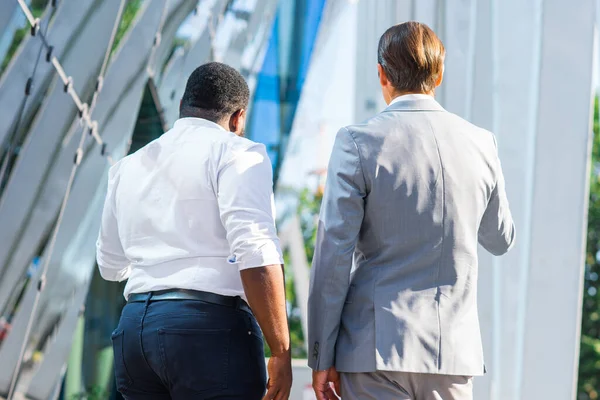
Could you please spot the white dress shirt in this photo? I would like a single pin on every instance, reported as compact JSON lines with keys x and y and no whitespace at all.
{"x":189,"y":211}
{"x":410,"y":96}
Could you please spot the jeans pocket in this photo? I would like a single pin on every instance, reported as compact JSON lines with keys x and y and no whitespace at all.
{"x":256,"y":344}
{"x":252,"y":325}
{"x":122,"y":377}
{"x":196,"y":359}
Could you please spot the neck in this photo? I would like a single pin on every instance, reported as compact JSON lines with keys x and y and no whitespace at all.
{"x":394,"y":95}
{"x":204,"y":114}
{"x":398,"y":94}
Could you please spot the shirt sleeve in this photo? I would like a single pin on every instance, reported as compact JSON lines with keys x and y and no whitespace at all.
{"x":111,"y":259}
{"x":247,"y":208}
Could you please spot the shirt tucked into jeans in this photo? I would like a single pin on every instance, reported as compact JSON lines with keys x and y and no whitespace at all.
{"x":188,"y":212}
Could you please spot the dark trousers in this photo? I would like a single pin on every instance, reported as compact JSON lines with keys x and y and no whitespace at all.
{"x":188,"y":349}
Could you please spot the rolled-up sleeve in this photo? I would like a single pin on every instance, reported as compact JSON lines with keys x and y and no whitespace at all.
{"x":111,"y":259}
{"x":247,"y":209}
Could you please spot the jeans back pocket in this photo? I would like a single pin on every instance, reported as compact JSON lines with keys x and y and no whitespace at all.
{"x":196,"y":360}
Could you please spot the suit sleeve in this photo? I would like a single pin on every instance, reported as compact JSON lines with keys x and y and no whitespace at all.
{"x":340,"y":220}
{"x":497,"y":229}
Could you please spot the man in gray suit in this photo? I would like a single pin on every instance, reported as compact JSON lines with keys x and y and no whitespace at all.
{"x":410,"y":193}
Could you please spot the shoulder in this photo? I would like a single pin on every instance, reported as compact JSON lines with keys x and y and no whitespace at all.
{"x":467,"y":126}
{"x":370,"y":125}
{"x":236,"y":144}
{"x":116,"y":169}
{"x":382,"y":123}
{"x":232,"y":148}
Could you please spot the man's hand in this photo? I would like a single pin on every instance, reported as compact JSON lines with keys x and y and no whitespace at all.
{"x":323,"y":383}
{"x":280,"y":377}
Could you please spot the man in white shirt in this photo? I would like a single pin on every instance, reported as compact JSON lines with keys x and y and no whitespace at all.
{"x":189,"y":222}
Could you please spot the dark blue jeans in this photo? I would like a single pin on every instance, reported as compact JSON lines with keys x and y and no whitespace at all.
{"x":187,"y":349}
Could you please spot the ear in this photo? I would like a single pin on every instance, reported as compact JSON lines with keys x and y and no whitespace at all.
{"x":440,"y":77}
{"x":237,"y":122}
{"x":383,"y":79}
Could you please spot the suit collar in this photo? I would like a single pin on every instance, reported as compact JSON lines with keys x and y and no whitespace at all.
{"x":411,"y":104}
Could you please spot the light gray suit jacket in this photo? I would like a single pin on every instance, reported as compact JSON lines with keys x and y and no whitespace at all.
{"x":409,"y":194}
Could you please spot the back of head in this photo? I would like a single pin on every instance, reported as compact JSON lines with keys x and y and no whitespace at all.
{"x":412,"y":57}
{"x":214,"y":91}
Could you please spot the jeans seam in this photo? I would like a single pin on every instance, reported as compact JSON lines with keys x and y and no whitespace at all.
{"x":126,"y":373}
{"x":146,"y":305}
{"x":163,"y":355}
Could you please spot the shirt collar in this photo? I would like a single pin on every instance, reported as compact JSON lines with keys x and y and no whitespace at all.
{"x":190,"y":121}
{"x":411,"y":96}
{"x":414,"y":102}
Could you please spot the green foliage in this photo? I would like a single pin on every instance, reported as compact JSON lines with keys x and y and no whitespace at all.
{"x":296,"y":333}
{"x":131,"y":9}
{"x":309,"y":204}
{"x":94,"y":393}
{"x":589,"y":358}
{"x":295,"y":321}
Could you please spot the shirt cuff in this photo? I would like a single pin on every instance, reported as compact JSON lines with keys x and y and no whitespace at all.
{"x":112,"y":273}
{"x":115,"y":275}
{"x":261,"y":259}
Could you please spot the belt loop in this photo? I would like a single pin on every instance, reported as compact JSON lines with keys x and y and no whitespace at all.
{"x":148,"y":298}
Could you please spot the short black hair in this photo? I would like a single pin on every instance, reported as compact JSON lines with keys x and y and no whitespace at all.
{"x":215,"y":91}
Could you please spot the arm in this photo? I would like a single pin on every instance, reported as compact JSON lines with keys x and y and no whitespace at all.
{"x":340,"y":220}
{"x":265,"y":290}
{"x":245,"y":196}
{"x":497,"y":229}
{"x":111,"y":259}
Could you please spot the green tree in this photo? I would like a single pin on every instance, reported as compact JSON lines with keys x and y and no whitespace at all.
{"x":589,"y":358}
{"x":129,"y":13}
{"x":309,"y":205}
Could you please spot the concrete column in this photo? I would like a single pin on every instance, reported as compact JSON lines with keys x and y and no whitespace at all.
{"x":426,"y":11}
{"x":514,"y":70}
{"x":482,"y":115}
{"x":375,"y":18}
{"x":459,"y":35}
{"x":292,"y":240}
{"x":560,"y":198}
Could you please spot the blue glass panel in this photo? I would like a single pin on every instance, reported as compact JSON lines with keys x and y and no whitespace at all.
{"x":280,"y":81}
{"x":265,"y":118}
